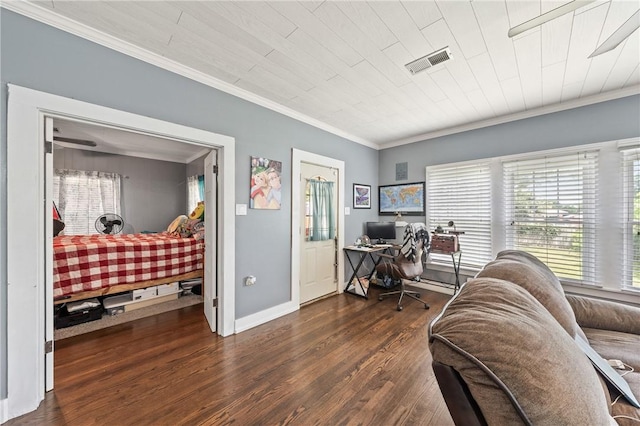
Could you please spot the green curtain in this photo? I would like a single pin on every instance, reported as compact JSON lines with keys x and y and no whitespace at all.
{"x":201,"y":187}
{"x":322,"y":210}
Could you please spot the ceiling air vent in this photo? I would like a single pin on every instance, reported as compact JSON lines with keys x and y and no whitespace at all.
{"x":429,"y":61}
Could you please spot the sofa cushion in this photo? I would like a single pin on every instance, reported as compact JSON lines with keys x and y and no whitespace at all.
{"x":516,"y":359}
{"x":626,"y":348}
{"x":528,"y":272}
{"x":605,"y":315}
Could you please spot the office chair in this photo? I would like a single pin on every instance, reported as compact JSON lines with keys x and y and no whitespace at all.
{"x":402,"y":268}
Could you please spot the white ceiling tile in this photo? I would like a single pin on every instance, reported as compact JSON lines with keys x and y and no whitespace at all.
{"x":314,"y":27}
{"x":480,"y":103}
{"x":571,"y":91}
{"x":583,"y":42}
{"x":423,"y":13}
{"x":513,"y":94}
{"x":485,"y":75}
{"x":520,"y":12}
{"x":555,"y":40}
{"x":219,"y":29}
{"x":634,"y":78}
{"x":254,"y":16}
{"x":368,"y":22}
{"x":529,"y":60}
{"x":624,"y":66}
{"x":462,"y":22}
{"x":342,"y":26}
{"x":492,"y":16}
{"x":395,"y":16}
{"x":552,"y":83}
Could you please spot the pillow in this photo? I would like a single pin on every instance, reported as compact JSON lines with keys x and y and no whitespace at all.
{"x":534,"y":276}
{"x":177,"y":223}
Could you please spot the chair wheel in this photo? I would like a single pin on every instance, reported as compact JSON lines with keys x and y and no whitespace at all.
{"x":380,"y":298}
{"x":418,"y":295}
{"x":399,"y":308}
{"x":426,"y":306}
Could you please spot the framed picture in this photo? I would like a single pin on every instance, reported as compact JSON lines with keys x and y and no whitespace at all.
{"x":406,"y":198}
{"x":266,"y":187}
{"x":361,"y":196}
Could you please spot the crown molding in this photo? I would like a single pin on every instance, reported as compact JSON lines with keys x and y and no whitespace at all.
{"x":576,"y":103}
{"x":68,"y":25}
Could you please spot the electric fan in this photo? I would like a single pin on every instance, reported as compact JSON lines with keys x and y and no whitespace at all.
{"x":109,"y":223}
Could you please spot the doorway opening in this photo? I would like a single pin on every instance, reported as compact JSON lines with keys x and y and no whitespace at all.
{"x":139,"y":181}
{"x":26,"y":305}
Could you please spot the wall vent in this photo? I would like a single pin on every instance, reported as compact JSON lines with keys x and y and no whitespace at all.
{"x":429,"y":60}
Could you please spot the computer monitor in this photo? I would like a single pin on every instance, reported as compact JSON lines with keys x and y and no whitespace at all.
{"x":380,"y":232}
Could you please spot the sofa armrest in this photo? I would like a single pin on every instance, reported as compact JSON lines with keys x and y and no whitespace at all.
{"x":605,"y":315}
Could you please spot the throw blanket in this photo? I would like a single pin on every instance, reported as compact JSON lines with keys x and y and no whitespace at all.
{"x":413,"y":234}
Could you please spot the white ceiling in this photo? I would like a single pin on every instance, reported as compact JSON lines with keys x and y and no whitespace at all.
{"x":125,"y":142}
{"x":340,"y":65}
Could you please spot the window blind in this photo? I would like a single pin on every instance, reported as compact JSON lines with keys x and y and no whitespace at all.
{"x":550,"y":207}
{"x":462,"y":193}
{"x":631,"y":217}
{"x":83,"y":196}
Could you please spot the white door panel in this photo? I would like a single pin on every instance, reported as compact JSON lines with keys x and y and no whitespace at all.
{"x":318,"y":258}
{"x":209,"y":280}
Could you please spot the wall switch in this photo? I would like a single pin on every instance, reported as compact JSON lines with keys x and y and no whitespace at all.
{"x":250,"y":280}
{"x":241,"y":209}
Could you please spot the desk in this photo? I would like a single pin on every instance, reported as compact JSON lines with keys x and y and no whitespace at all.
{"x":456,"y":265}
{"x":358,"y":283}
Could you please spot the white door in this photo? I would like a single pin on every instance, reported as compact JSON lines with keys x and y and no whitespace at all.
{"x":318,"y":261}
{"x":48,"y":252}
{"x":209,"y":281}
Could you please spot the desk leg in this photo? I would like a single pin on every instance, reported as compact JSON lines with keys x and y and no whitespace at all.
{"x":365,"y":292}
{"x":456,"y":270}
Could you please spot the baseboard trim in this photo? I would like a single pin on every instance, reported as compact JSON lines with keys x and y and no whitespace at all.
{"x":3,"y":410}
{"x":262,"y":317}
{"x":433,"y":286}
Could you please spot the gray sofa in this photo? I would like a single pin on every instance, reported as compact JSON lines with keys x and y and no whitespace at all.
{"x":504,"y":350}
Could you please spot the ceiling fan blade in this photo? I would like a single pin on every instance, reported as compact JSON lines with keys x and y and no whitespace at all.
{"x":546,"y":17}
{"x":619,"y":35}
{"x":75,"y":141}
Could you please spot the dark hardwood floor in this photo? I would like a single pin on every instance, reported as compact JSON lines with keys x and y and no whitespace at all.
{"x":342,"y":360}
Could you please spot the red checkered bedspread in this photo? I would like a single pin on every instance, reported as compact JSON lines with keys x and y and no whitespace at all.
{"x":91,"y":262}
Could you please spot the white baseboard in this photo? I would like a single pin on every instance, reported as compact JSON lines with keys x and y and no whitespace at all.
{"x":433,"y":286}
{"x":3,"y":410}
{"x":254,"y":320}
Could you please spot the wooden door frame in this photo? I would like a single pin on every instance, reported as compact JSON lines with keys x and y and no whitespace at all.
{"x":299,"y":157}
{"x":26,"y":111}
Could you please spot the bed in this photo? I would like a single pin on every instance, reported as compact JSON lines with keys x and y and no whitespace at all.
{"x":87,"y":266}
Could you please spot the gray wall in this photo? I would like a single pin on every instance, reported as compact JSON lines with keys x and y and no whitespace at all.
{"x":39,"y":57}
{"x":154,"y":192}
{"x":607,"y":121}
{"x":613,"y":120}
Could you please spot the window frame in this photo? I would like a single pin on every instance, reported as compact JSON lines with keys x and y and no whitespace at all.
{"x":609,"y":223}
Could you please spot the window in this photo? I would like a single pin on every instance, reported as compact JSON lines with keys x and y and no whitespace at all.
{"x":83,"y":196}
{"x":631,"y":216}
{"x":551,"y":211}
{"x":195,"y":191}
{"x":320,"y":217}
{"x":462,"y":193}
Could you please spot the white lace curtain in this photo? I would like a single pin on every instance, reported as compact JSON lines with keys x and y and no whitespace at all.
{"x":83,"y":196}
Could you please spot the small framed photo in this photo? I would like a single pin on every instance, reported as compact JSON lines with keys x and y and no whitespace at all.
{"x":361,"y":196}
